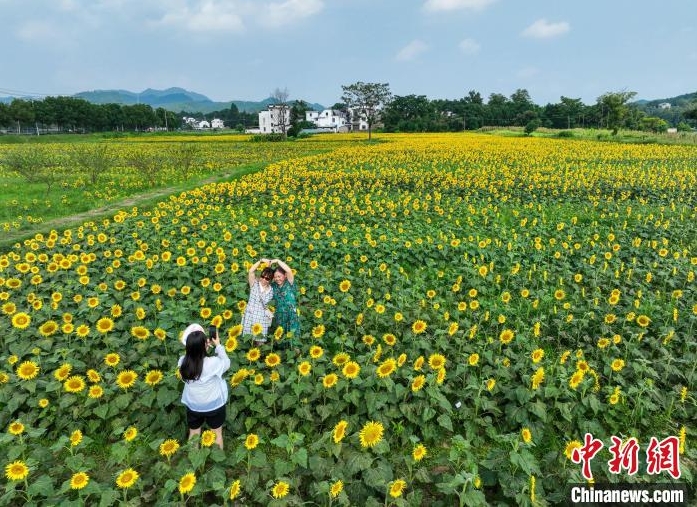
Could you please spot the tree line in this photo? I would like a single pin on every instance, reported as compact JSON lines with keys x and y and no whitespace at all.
{"x":409,"y":113}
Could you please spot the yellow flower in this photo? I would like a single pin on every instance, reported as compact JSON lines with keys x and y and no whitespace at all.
{"x":126,"y":379}
{"x":280,"y":489}
{"x":397,"y":488}
{"x":104,"y":325}
{"x":153,"y":377}
{"x":140,"y":332}
{"x":62,"y":373}
{"x":304,"y":368}
{"x":79,"y":480}
{"x":43,"y":403}
{"x":231,"y":344}
{"x":419,"y":327}
{"x":368,"y":340}
{"x":74,"y":384}
{"x":93,"y":376}
{"x":272,"y":360}
{"x":371,"y":434}
{"x":257,"y":329}
{"x":251,"y":441}
{"x":643,"y":321}
{"x":351,"y":370}
{"x":16,"y":428}
{"x":440,"y":378}
{"x":169,"y":447}
{"x":127,"y":478}
{"x":490,"y":384}
{"x":576,"y":379}
{"x":526,"y":434}
{"x":436,"y":361}
{"x":235,"y":489}
{"x":48,"y":328}
{"x":473,"y":359}
{"x":95,"y":392}
{"x":341,"y":359}
{"x":569,"y":449}
{"x":386,"y":368}
{"x":16,"y":471}
{"x":418,"y":364}
{"x":21,"y":320}
{"x":617,"y":365}
{"x":316,"y":352}
{"x":418,"y":383}
{"x":419,"y":452}
{"x":130,"y":434}
{"x":27,"y":370}
{"x":506,"y":336}
{"x":207,"y":438}
{"x":112,"y":359}
{"x":82,"y":330}
{"x":537,"y":378}
{"x":344,"y":286}
{"x":329,"y":380}
{"x":187,"y":483}
{"x":75,"y":438}
{"x":389,"y":339}
{"x":339,"y":431}
{"x":253,"y":354}
{"x":537,"y":355}
{"x":336,"y":489}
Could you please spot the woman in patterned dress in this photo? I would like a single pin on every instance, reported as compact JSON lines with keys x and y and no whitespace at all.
{"x":260,"y":293}
{"x":285,"y":294}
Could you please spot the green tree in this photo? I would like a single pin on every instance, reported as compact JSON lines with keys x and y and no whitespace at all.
{"x":614,"y":109}
{"x":21,"y":112}
{"x":412,"y":113}
{"x":366,"y":100}
{"x":92,"y":160}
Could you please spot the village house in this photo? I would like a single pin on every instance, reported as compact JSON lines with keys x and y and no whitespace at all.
{"x":274,"y":120}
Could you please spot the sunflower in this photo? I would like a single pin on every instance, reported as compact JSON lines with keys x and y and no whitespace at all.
{"x":368,"y":340}
{"x":418,"y":364}
{"x":440,"y":378}
{"x":344,"y":286}
{"x":569,"y":449}
{"x":272,"y":360}
{"x":62,"y":372}
{"x":339,"y":431}
{"x":79,"y":480}
{"x":207,"y":438}
{"x":48,"y":328}
{"x":43,"y":403}
{"x":82,"y":330}
{"x":643,"y":321}
{"x":304,"y":368}
{"x":436,"y":361}
{"x":537,"y":355}
{"x":419,"y":327}
{"x":75,"y":438}
{"x":559,"y":294}
{"x":16,"y":428}
{"x":351,"y":370}
{"x":258,"y":379}
{"x":330,"y":380}
{"x":473,"y":359}
{"x":112,"y":359}
{"x":9,"y":308}
{"x":251,"y":441}
{"x":526,"y":435}
{"x":140,"y":332}
{"x":318,"y":331}
{"x":506,"y":336}
{"x":235,"y":489}
{"x":16,"y":471}
{"x":386,"y":368}
{"x":336,"y":489}
{"x":280,"y":489}
{"x":21,"y":320}
{"x":576,"y":379}
{"x":130,"y":434}
{"x":278,"y":333}
{"x":341,"y":359}
{"x":419,"y":452}
{"x":397,"y":488}
{"x":537,"y":378}
{"x":74,"y":384}
{"x":389,"y":339}
{"x":27,"y":370}
{"x":257,"y":329}
{"x":418,"y":383}
{"x":316,"y":352}
{"x":153,"y":377}
{"x":169,"y":447}
{"x":231,"y":344}
{"x":253,"y":354}
{"x":93,"y":376}
{"x":104,"y":325}
{"x":617,"y":365}
{"x":238,"y":377}
{"x":126,"y":379}
{"x":371,"y":434}
{"x":127,"y":478}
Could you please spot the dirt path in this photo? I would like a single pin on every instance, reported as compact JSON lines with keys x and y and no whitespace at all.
{"x":9,"y":238}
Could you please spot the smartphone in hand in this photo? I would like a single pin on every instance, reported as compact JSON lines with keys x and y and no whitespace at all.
{"x":212,"y":332}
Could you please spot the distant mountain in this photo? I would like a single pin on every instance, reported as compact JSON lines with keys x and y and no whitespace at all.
{"x":174,"y":99}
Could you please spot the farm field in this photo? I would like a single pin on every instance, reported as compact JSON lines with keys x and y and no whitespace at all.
{"x":472,"y":306}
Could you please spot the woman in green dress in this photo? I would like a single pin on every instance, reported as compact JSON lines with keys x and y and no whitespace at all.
{"x":285,"y":294}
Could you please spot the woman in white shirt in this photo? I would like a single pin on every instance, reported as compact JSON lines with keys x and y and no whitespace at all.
{"x":205,"y":392}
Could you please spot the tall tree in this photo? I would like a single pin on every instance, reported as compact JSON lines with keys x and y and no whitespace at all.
{"x":366,"y":100}
{"x":280,"y":98}
{"x":614,"y":108}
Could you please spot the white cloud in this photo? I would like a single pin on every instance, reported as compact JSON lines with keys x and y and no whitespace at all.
{"x":411,"y":51}
{"x":206,"y":16}
{"x":454,"y":5}
{"x":284,"y":13}
{"x":469,"y":46}
{"x":543,"y":29}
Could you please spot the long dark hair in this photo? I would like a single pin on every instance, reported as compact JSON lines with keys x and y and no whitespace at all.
{"x":192,"y":365}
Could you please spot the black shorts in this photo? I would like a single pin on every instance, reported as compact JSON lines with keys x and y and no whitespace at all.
{"x":214,"y":419}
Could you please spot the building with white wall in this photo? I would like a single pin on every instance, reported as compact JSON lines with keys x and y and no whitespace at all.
{"x":273,"y":119}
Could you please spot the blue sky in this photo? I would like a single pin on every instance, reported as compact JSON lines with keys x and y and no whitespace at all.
{"x":244,"y":49}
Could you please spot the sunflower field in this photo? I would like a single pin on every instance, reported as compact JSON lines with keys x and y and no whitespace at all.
{"x":471,"y":305}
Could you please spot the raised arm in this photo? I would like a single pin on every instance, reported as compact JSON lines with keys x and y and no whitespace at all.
{"x":251,"y":274}
{"x":289,"y":272}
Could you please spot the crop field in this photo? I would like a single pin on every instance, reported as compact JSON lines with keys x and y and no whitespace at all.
{"x":472,"y":307}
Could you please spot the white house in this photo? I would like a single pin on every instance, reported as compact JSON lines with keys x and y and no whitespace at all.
{"x":664,"y":105}
{"x":202,"y":125}
{"x":271,"y":120}
{"x":328,"y":119}
{"x":217,"y":123}
{"x":358,"y":121}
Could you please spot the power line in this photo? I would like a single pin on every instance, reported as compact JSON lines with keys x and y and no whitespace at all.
{"x":29,"y":94}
